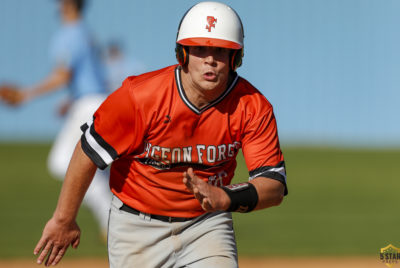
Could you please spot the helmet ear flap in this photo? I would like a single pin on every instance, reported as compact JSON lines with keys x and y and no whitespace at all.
{"x":236,"y":59}
{"x":181,"y":54}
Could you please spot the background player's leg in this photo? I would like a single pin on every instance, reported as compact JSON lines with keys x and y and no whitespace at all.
{"x":98,"y":196}
{"x":62,"y":149}
{"x":80,"y":112}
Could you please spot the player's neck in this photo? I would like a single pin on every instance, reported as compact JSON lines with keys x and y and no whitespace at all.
{"x":70,"y":16}
{"x":198,"y":96}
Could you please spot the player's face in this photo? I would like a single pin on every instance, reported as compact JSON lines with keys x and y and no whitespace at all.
{"x":208,"y":67}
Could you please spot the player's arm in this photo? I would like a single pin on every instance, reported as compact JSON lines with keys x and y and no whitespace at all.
{"x":267,"y":185}
{"x":57,"y":78}
{"x":260,"y":193}
{"x":270,"y":192}
{"x":62,"y":230}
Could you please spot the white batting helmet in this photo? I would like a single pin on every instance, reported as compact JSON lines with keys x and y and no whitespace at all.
{"x":210,"y":24}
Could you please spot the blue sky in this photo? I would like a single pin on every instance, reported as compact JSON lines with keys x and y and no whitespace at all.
{"x":331,"y":68}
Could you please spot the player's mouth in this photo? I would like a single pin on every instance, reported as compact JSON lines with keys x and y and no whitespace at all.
{"x":209,"y":76}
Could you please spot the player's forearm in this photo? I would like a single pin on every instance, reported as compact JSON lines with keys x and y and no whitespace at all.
{"x":77,"y":180}
{"x":270,"y":192}
{"x":57,"y":78}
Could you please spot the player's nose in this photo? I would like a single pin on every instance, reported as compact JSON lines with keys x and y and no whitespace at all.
{"x":210,"y":55}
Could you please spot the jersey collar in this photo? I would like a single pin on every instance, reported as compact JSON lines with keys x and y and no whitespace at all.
{"x":211,"y":104}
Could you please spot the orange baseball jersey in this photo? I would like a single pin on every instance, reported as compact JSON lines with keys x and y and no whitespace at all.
{"x":151,"y":133}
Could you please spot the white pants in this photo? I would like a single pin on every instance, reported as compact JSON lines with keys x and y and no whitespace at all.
{"x":139,"y":241}
{"x":98,"y":196}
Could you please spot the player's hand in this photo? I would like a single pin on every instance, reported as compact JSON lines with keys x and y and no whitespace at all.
{"x":11,"y":94}
{"x":211,"y":198}
{"x":64,"y":107}
{"x":55,"y":240}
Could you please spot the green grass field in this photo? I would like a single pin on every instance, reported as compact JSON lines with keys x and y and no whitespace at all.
{"x":340,"y":202}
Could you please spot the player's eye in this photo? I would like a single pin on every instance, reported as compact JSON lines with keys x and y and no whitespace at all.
{"x":222,"y":50}
{"x":199,"y":49}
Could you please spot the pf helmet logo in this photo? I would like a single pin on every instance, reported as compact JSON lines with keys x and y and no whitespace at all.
{"x":211,"y":22}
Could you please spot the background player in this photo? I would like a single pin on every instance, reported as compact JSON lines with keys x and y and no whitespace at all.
{"x":77,"y":66}
{"x":118,"y":66}
{"x":172,"y":137}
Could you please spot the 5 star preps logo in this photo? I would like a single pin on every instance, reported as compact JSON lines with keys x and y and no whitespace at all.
{"x":390,"y":255}
{"x":211,"y":20}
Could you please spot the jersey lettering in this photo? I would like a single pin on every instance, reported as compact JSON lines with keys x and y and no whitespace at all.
{"x":200,"y":149}
{"x":203,"y":154}
{"x":211,"y":152}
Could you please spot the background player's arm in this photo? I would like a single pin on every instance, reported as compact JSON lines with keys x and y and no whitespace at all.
{"x":62,"y":230}
{"x":58,"y":77}
{"x":212,"y":198}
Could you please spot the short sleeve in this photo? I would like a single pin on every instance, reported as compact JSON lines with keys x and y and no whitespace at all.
{"x":116,"y":130}
{"x":261,"y":149}
{"x":64,"y":50}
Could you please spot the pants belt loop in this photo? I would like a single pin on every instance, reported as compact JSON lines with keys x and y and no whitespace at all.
{"x":145,"y":216}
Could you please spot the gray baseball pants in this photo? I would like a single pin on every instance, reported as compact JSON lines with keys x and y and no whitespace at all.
{"x":143,"y":242}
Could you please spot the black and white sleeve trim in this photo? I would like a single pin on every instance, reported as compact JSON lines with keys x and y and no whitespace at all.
{"x":277,"y":172}
{"x":99,"y":151}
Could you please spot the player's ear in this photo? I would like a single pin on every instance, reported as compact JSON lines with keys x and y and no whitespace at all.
{"x":236,"y":58}
{"x":181,"y":54}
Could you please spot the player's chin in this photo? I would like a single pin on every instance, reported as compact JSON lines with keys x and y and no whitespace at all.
{"x":211,"y":85}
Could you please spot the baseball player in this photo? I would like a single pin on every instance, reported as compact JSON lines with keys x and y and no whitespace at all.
{"x":171,"y":137}
{"x":76,"y":66}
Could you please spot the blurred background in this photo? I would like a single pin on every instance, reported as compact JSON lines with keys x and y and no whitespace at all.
{"x":331,"y":69}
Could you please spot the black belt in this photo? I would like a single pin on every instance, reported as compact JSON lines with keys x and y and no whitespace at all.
{"x":157,"y":217}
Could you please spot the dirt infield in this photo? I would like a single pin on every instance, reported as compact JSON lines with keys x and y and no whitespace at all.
{"x":353,"y":262}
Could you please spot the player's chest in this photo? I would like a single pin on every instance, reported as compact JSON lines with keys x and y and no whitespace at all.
{"x":179,"y":127}
{"x":178,"y":135}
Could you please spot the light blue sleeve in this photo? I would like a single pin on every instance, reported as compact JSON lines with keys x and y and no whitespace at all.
{"x":65,"y":49}
{"x":73,"y":48}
